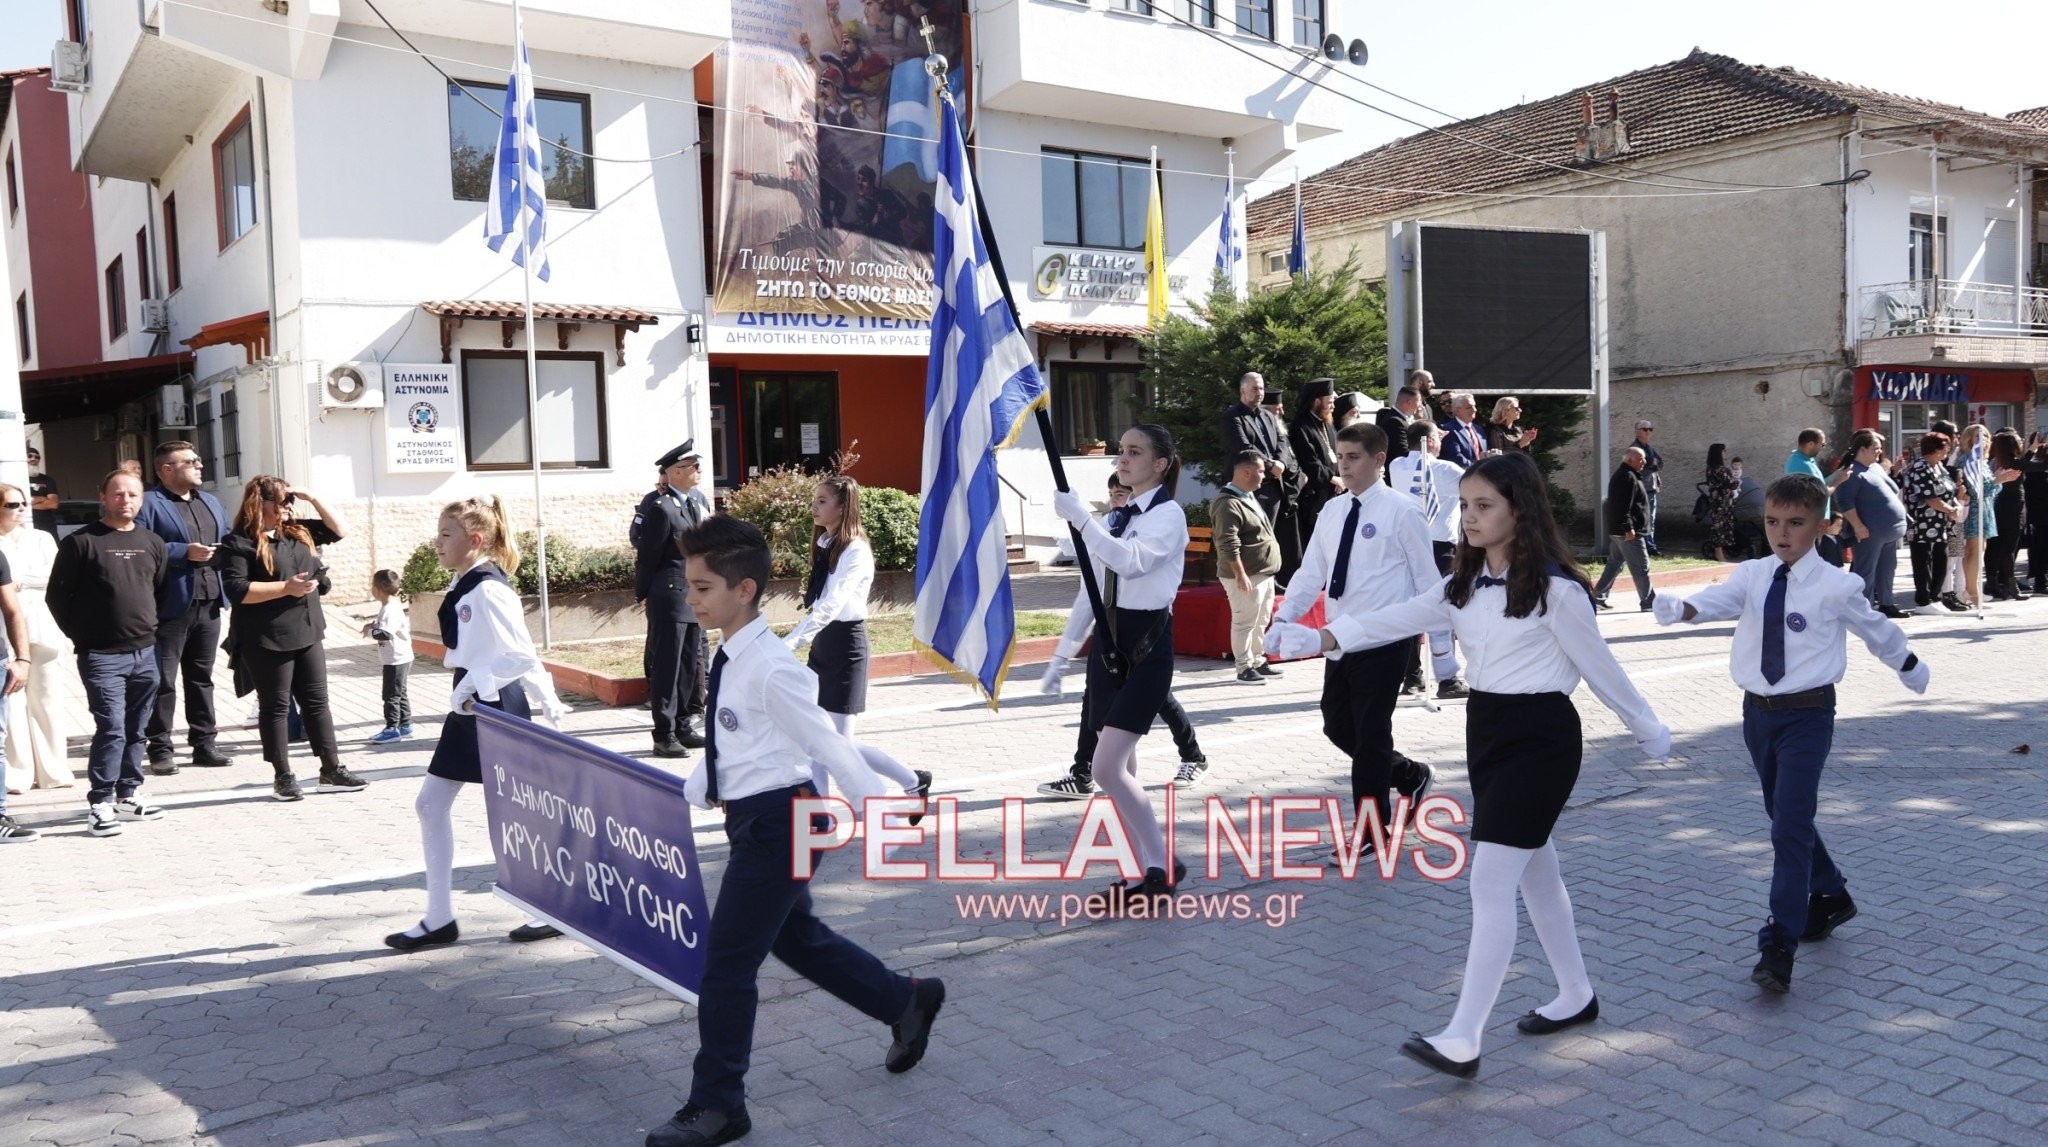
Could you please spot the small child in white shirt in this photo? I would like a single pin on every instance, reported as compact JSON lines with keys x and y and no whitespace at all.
{"x":392,"y":630}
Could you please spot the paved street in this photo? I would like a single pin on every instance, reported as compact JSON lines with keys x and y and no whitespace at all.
{"x":217,"y":976}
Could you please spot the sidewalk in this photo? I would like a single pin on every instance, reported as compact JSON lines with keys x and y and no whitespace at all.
{"x":216,"y":977}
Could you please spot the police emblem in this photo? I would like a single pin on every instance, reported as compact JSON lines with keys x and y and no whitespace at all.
{"x":1370,"y":529}
{"x":728,"y":720}
{"x":463,"y":613}
{"x":422,"y":417}
{"x":1796,"y":622}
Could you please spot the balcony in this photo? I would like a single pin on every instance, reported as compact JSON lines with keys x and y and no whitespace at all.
{"x":1932,"y":322}
{"x":1097,"y":64}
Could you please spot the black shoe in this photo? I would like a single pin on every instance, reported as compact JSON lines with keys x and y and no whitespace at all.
{"x":1414,"y":685}
{"x":528,"y":933}
{"x":670,"y":748}
{"x":1824,"y":914}
{"x":1452,"y":689}
{"x":689,"y":736}
{"x":341,"y":780}
{"x":209,"y":757}
{"x":1894,"y":612}
{"x":696,"y":1126}
{"x":286,"y":788}
{"x":1417,"y":784}
{"x":1249,"y":677}
{"x":163,"y":768}
{"x":1536,"y":1023}
{"x":1954,"y":603}
{"x":1601,"y":603}
{"x":1773,"y":972}
{"x":914,"y":1030}
{"x":922,"y":792}
{"x":1425,"y":1053}
{"x":446,"y":934}
{"x":1265,"y":670}
{"x":1648,"y":603}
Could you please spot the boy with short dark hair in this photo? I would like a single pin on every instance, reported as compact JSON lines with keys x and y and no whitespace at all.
{"x":391,"y":629}
{"x":764,"y":731}
{"x":1790,"y":649}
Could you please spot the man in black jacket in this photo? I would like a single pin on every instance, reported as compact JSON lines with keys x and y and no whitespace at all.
{"x":1250,"y":425}
{"x":102,"y":592}
{"x":1394,"y":420}
{"x":1628,"y":516}
{"x":674,"y":657}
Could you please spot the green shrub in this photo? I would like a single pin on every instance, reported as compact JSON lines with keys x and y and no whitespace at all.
{"x":778,"y":503}
{"x":1198,"y":513}
{"x":571,"y":569}
{"x":890,"y":517}
{"x":423,"y":572}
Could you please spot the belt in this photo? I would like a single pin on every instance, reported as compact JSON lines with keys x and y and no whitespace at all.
{"x":1821,"y":698}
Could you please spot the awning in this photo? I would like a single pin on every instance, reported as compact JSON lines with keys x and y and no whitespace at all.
{"x":567,"y":317}
{"x":250,"y":332}
{"x":96,"y":388}
{"x":1077,"y":333}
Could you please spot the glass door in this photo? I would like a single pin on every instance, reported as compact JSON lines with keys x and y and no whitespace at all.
{"x":792,"y":420}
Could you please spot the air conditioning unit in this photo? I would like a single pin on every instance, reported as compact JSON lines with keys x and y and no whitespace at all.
{"x":68,"y":72}
{"x":156,"y":315}
{"x":173,"y":408}
{"x":352,"y":386}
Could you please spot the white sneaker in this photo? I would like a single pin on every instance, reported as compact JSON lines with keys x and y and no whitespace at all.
{"x":101,"y":820}
{"x":134,"y":809}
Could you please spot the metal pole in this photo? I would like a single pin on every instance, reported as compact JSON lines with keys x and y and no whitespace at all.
{"x":1934,"y":231}
{"x":540,"y":528}
{"x":1601,"y":432}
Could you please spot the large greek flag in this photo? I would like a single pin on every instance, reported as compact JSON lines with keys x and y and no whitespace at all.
{"x":981,"y":385}
{"x":519,"y":199}
{"x":1229,"y":239}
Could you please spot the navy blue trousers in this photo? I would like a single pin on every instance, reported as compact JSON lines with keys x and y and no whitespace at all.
{"x":762,"y":909}
{"x":121,"y":690}
{"x":1789,"y":748}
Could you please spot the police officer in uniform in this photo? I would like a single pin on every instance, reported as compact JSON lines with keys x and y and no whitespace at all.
{"x":675,"y":642}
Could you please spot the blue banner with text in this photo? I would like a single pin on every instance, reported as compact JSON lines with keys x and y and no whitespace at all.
{"x":597,"y":844}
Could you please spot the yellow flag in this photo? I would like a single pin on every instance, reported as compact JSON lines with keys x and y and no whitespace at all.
{"x":1155,"y":257}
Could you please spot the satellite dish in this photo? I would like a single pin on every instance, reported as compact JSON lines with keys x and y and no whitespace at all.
{"x":1357,"y":53}
{"x":345,"y":384}
{"x":1333,"y":47}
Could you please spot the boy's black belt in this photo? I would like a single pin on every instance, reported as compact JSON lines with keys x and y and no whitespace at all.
{"x":1821,"y":698}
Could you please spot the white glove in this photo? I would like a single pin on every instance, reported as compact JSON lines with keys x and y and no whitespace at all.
{"x":697,"y":786}
{"x":1668,"y":610}
{"x":1050,"y":684}
{"x":1656,"y":748}
{"x":1289,"y":641}
{"x":1072,"y":509}
{"x":1915,"y":678}
{"x":464,"y":695}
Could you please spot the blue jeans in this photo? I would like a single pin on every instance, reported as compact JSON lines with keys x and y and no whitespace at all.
{"x":121,"y":688}
{"x":1789,"y":749}
{"x":1877,"y":563}
{"x":762,"y":909}
{"x":1650,"y":535}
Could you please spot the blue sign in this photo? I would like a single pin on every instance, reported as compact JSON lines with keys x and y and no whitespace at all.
{"x":598,"y":845}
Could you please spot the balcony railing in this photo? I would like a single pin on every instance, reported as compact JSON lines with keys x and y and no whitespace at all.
{"x":1952,"y":307}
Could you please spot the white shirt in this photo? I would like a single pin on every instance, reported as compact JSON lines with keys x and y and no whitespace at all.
{"x":1407,"y":474}
{"x":845,"y":596}
{"x":30,"y":554}
{"x":392,"y":619}
{"x":1151,"y":556}
{"x":1545,"y":652}
{"x":1820,"y":601}
{"x":1390,"y":559}
{"x":769,"y":726}
{"x":493,"y":649}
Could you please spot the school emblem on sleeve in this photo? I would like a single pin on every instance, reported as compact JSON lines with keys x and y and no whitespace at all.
{"x":463,"y":613}
{"x":1796,"y":622}
{"x":728,"y":720}
{"x":1371,"y":528}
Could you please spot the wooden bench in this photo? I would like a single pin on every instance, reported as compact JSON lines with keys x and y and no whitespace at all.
{"x":1198,"y":564}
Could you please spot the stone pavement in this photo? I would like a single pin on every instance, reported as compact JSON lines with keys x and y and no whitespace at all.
{"x":216,"y":976}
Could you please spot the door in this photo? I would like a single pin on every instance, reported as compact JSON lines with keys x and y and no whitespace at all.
{"x":792,"y":420}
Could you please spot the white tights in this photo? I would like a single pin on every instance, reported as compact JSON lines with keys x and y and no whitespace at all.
{"x":886,"y":766}
{"x":1116,"y":770}
{"x":1496,"y":871}
{"x":435,"y":806}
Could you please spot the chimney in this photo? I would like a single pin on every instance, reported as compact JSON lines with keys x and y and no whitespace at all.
{"x":1602,"y":141}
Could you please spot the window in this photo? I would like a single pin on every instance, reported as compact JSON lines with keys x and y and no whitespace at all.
{"x":1276,"y":262}
{"x":142,"y":287}
{"x":564,"y":122}
{"x":1094,"y":200}
{"x":21,"y":324}
{"x":1140,"y":7}
{"x":13,"y":188}
{"x":570,"y":387}
{"x":1256,"y":18}
{"x":1200,"y":13}
{"x":173,"y":275}
{"x":228,"y":438}
{"x":117,"y":300}
{"x":1308,"y":23}
{"x":1920,"y":244}
{"x":234,"y":179}
{"x":1096,"y":402}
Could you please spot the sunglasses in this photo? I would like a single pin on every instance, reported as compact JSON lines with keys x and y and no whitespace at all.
{"x":13,"y":505}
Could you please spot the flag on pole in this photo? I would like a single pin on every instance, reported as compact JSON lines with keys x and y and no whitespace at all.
{"x":1297,"y":253}
{"x":1229,"y":240}
{"x":519,"y":196}
{"x":980,"y":387}
{"x":1155,"y":252}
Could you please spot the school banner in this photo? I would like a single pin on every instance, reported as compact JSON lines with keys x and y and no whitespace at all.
{"x":827,"y":140}
{"x":598,"y":845}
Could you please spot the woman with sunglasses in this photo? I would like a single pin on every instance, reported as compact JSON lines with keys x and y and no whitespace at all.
{"x":35,"y":724}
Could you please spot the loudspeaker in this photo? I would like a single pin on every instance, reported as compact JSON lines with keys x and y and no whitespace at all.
{"x":1333,"y":47}
{"x":1357,"y":53}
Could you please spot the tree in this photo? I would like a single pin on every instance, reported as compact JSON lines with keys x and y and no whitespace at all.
{"x":1318,"y":326}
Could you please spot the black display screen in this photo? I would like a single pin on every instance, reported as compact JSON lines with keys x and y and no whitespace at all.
{"x":1507,"y":312}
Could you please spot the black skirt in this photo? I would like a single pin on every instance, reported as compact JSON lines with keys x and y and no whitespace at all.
{"x":839,"y":656}
{"x":1131,"y":704}
{"x":1525,"y":751}
{"x":456,"y":756}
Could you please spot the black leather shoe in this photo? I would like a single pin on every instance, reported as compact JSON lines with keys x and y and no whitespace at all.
{"x":163,"y":768}
{"x":1773,"y":971}
{"x":923,"y":792}
{"x":689,"y":736}
{"x":670,"y":748}
{"x":1824,"y":914}
{"x":1536,"y":1023}
{"x":528,"y":933}
{"x":446,"y":934}
{"x":1265,"y":670}
{"x":1425,"y":1053}
{"x":208,"y":757}
{"x":914,"y":1030}
{"x":696,"y":1126}
{"x":1601,"y":603}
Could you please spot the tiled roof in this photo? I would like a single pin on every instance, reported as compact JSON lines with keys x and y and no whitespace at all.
{"x":1090,"y":330}
{"x":550,"y":312}
{"x":2033,"y":117}
{"x":1701,"y":99}
{"x":7,"y":86}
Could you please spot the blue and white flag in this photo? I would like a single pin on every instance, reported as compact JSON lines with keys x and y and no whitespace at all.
{"x":519,"y":196}
{"x":913,"y":128}
{"x":981,"y":386}
{"x":1229,"y":239}
{"x":1297,"y":251}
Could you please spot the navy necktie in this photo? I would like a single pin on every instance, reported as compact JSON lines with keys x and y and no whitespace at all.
{"x":1338,"y":575}
{"x":1483,"y":580}
{"x":1774,"y":626}
{"x":711,"y":728}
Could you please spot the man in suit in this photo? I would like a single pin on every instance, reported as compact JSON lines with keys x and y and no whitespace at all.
{"x":1652,"y":468}
{"x":674,"y":659}
{"x":1628,"y":517}
{"x":1464,"y":442}
{"x":191,"y":523}
{"x":1393,"y":420}
{"x":1251,"y":425}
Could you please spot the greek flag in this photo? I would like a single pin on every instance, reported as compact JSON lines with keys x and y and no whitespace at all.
{"x":1229,"y":240}
{"x":519,"y":197}
{"x":1297,"y":251}
{"x":981,"y":385}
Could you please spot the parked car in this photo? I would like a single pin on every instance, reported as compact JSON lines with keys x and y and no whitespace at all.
{"x":73,"y":513}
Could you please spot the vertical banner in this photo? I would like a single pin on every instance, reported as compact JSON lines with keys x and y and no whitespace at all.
{"x":828,"y":139}
{"x":422,"y":418}
{"x":598,"y":845}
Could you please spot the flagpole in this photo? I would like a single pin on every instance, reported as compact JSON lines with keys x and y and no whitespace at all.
{"x":540,"y":529}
